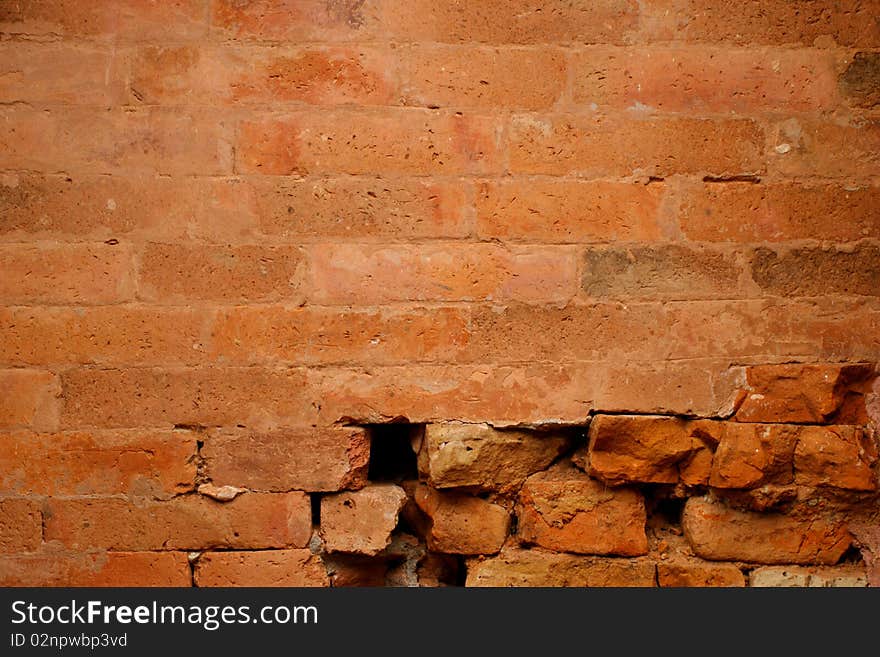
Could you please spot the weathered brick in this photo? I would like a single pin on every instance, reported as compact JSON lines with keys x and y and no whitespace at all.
{"x":103,"y":335}
{"x":518,"y":567}
{"x":387,"y":141}
{"x":311,"y":459}
{"x":21,"y":525}
{"x":112,"y":139}
{"x":31,"y":398}
{"x":706,"y":80}
{"x":477,"y":455}
{"x":698,"y":574}
{"x":185,"y":272}
{"x":357,"y":274}
{"x":54,"y":568}
{"x":148,"y":463}
{"x":593,"y":145}
{"x":363,"y":209}
{"x":779,"y":212}
{"x":661,"y":272}
{"x":841,"y":456}
{"x":194,"y":522}
{"x":101,"y":207}
{"x":721,"y":533}
{"x":752,"y":455}
{"x":563,"y":509}
{"x":814,"y":271}
{"x":846,"y":576}
{"x":569,"y":211}
{"x":66,"y":273}
{"x":806,"y":393}
{"x":848,"y":22}
{"x":859,"y":82}
{"x":160,"y":397}
{"x":460,"y":77}
{"x":462,"y":524}
{"x":282,"y":334}
{"x":361,"y":521}
{"x":812,"y":147}
{"x":262,"y":568}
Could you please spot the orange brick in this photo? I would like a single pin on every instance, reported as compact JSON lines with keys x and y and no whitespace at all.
{"x":104,"y":140}
{"x":778,"y":212}
{"x":294,"y":20}
{"x":104,"y":335}
{"x":699,"y":574}
{"x":31,"y":398}
{"x":841,"y":456}
{"x":461,"y":523}
{"x":348,"y":274}
{"x":812,"y":147}
{"x":281,"y":334}
{"x":250,"y":521}
{"x":848,"y":22}
{"x":162,"y":397}
{"x":192,"y":272}
{"x":264,"y":568}
{"x":158,"y":464}
{"x":310,"y":459}
{"x":387,"y":141}
{"x":713,"y":80}
{"x":96,"y":569}
{"x":459,"y":77}
{"x":104,"y":207}
{"x":591,"y":145}
{"x":66,"y":273}
{"x":21,"y":525}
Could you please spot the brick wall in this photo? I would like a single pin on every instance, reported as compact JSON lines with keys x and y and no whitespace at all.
{"x":508,"y":292}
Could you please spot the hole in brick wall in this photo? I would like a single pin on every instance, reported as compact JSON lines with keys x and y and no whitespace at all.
{"x":392,"y":451}
{"x":853,"y":556}
{"x":315,"y":501}
{"x":664,"y":510}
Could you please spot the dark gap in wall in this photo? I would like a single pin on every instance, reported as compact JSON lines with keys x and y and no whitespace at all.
{"x":393,"y":451}
{"x":664,"y":509}
{"x":460,"y":572}
{"x":315,"y":501}
{"x":852,"y":556}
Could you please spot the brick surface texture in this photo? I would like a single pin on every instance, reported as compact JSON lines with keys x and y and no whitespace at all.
{"x":439,"y":293}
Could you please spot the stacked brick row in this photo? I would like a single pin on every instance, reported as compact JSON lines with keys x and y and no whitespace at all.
{"x":237,"y":235}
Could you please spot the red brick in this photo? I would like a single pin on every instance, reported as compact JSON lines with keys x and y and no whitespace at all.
{"x":720,"y":533}
{"x":710,"y":80}
{"x":66,"y":273}
{"x":563,"y":509}
{"x":311,"y":459}
{"x":387,"y":141}
{"x":96,"y":569}
{"x":264,"y":568}
{"x":192,"y":522}
{"x":462,"y":524}
{"x":103,"y":207}
{"x":30,"y":399}
{"x":816,"y":271}
{"x":104,"y":140}
{"x":842,"y":457}
{"x":752,"y":455}
{"x":460,"y":77}
{"x":106,"y":335}
{"x":361,"y":522}
{"x":518,"y":567}
{"x":699,"y":574}
{"x":362,"y":209}
{"x":149,"y":463}
{"x":594,"y":146}
{"x":779,"y":212}
{"x":569,"y":211}
{"x":191,"y":272}
{"x":479,"y":456}
{"x":806,"y":393}
{"x":356,"y":274}
{"x":812,"y":147}
{"x":125,"y":19}
{"x":283,"y":334}
{"x":848,"y":22}
{"x":21,"y":525}
{"x":157,"y":397}
{"x":669,"y":271}
{"x":223,"y":75}
{"x":39,"y":72}
{"x":293,"y":20}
